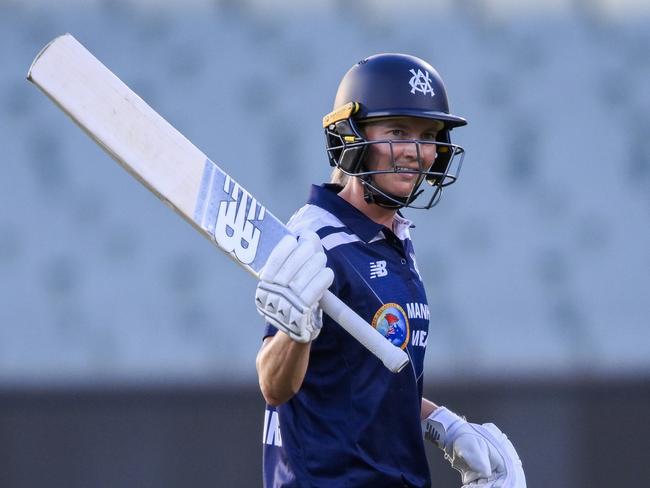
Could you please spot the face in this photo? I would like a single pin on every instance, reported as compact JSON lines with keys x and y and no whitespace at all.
{"x":406,"y":158}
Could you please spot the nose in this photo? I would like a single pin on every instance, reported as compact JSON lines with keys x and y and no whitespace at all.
{"x":407,"y":151}
{"x":422,"y":153}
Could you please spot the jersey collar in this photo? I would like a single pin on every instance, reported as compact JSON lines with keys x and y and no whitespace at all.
{"x":325,"y":197}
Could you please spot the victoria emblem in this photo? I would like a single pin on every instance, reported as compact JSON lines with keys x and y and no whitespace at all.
{"x":420,"y":82}
{"x":391,"y":321}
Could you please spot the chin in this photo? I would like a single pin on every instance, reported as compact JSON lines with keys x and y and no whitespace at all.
{"x":403,"y":192}
{"x":399,"y":189}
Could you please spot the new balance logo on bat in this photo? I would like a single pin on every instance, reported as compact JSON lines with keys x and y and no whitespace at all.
{"x":378,"y":269}
{"x":234,"y":231}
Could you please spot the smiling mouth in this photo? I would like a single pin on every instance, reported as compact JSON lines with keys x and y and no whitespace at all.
{"x":406,"y":169}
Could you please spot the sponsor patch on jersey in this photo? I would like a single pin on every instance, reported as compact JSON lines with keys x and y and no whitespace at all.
{"x":391,"y":321}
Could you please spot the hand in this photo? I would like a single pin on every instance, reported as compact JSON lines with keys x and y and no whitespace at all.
{"x":291,"y":284}
{"x":481,"y":453}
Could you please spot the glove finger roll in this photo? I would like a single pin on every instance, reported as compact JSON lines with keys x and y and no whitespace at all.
{"x":278,"y":256}
{"x":474,"y":451}
{"x":315,"y":289}
{"x":294,"y":263}
{"x":312,"y":238}
{"x":308,"y":272}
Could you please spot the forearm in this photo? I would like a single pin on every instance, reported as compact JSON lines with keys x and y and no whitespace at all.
{"x":281,"y":366}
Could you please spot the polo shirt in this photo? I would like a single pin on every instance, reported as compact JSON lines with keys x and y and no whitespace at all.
{"x":353,"y":423}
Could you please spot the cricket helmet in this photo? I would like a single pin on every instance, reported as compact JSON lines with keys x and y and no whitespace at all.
{"x":385,"y":86}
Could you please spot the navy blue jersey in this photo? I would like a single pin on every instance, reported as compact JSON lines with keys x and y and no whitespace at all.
{"x":353,"y":423}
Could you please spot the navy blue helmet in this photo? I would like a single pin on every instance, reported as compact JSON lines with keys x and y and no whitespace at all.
{"x":387,"y":86}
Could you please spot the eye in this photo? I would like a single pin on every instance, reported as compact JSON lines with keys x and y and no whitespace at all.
{"x":397,"y":132}
{"x":429,"y":136}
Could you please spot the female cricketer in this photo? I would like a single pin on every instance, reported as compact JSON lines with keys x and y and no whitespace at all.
{"x":335,"y":417}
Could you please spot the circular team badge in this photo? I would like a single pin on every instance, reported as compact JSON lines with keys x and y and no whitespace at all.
{"x":391,"y":321}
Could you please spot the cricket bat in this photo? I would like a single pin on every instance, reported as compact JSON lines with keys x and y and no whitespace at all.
{"x":169,"y":165}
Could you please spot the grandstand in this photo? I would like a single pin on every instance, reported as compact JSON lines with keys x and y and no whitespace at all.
{"x":537,"y":261}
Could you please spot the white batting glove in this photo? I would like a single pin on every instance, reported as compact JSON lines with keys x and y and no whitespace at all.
{"x":291,"y":284}
{"x":481,"y":453}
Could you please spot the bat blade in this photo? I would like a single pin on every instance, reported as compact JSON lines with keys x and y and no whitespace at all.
{"x":170,"y":166}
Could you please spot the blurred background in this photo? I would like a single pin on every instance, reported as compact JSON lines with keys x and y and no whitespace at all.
{"x":128,"y":342}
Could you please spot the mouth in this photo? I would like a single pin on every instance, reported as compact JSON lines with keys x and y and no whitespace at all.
{"x":406,"y":174}
{"x":406,"y":169}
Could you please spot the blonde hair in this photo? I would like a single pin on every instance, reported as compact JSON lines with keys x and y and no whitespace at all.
{"x":338,"y":177}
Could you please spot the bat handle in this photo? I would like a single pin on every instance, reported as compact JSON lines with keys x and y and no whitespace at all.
{"x":392,"y":356}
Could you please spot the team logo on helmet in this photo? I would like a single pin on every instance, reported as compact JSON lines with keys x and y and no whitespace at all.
{"x":420,"y":82}
{"x":391,"y":321}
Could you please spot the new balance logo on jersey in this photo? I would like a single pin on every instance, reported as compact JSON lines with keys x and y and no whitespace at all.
{"x":378,"y":269}
{"x":420,"y":82}
{"x":234,"y":230}
{"x":271,"y":435}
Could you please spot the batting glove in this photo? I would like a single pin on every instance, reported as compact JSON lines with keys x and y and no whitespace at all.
{"x":291,"y":284}
{"x":481,"y":453}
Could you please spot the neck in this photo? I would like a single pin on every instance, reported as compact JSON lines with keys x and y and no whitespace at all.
{"x":353,"y":194}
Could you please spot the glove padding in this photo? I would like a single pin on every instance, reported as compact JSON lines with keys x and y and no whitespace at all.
{"x":292,"y":283}
{"x":482,"y":454}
